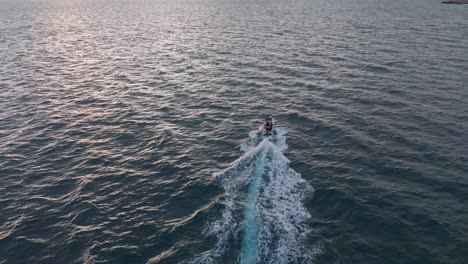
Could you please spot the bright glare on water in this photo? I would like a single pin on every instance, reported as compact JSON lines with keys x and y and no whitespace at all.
{"x":126,"y":131}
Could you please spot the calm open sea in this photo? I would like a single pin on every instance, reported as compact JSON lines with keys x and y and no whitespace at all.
{"x":126,"y":131}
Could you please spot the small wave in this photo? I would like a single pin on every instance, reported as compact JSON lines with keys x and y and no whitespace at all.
{"x":9,"y":227}
{"x":264,"y":219}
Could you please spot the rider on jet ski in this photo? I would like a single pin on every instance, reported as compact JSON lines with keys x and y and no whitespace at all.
{"x":268,"y":125}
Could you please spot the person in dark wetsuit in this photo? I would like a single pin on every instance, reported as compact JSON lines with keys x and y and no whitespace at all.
{"x":268,"y":125}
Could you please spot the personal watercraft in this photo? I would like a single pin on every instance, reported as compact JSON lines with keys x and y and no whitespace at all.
{"x":268,"y":128}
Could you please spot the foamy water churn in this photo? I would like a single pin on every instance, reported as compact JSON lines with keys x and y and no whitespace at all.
{"x":264,"y":219}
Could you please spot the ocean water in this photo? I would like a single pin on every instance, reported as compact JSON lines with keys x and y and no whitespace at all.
{"x":126,"y":131}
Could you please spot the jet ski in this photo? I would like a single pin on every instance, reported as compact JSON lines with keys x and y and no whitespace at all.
{"x":268,"y":128}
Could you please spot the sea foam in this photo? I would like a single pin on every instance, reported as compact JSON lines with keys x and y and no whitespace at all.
{"x":264,"y":219}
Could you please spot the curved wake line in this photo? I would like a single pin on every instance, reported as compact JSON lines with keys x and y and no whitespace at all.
{"x":264,"y":219}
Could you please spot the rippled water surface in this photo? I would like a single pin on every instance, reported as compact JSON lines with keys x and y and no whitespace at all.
{"x":124,"y":131}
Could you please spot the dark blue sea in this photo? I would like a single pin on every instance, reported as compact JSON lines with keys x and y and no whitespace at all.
{"x":128,"y":132}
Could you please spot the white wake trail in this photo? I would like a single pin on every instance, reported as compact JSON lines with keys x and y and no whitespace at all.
{"x":264,"y":219}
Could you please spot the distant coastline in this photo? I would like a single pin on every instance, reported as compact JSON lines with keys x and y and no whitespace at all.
{"x":455,"y":2}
